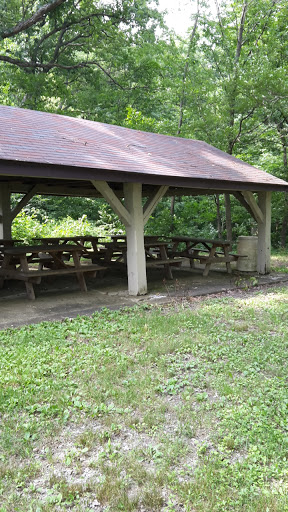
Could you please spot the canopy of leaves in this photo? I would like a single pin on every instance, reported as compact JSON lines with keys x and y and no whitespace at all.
{"x":114,"y":61}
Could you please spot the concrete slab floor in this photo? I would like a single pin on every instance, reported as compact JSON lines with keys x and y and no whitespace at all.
{"x":59,"y":298}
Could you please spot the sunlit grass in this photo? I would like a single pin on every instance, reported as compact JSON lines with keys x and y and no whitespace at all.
{"x":148,"y":409}
{"x":279,"y":261}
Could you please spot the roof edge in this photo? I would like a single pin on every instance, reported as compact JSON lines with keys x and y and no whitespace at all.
{"x":51,"y":171}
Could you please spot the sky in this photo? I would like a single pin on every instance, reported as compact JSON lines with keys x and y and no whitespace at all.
{"x":179,"y":12}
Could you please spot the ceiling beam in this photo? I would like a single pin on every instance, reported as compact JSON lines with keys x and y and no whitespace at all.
{"x":86,"y":191}
{"x":79,"y":174}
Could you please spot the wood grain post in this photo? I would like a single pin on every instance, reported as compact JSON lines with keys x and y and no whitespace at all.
{"x":136,"y":263}
{"x":264,"y":233}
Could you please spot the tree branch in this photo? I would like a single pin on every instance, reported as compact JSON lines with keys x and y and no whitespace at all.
{"x":51,"y":65}
{"x":240,"y":32}
{"x":233,"y":142}
{"x":38,"y":16}
{"x":186,"y":67}
{"x":265,"y":25}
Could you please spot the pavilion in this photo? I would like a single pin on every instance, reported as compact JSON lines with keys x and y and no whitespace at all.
{"x":43,"y":153}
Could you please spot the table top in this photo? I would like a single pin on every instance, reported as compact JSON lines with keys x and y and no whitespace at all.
{"x":9,"y":241}
{"x":200,"y":240}
{"x":28,"y":249}
{"x":146,"y":237}
{"x":67,"y":238}
{"x":123,"y":245}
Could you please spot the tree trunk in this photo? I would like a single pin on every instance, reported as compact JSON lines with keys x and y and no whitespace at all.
{"x":185,"y":72}
{"x":228,"y":218}
{"x":182,"y":100}
{"x":172,"y":212}
{"x":284,"y":227}
{"x":232,"y":101}
{"x":219,"y":220}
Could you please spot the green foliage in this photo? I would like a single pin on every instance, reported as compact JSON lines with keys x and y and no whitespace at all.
{"x":28,"y":226}
{"x":117,"y":64}
{"x":45,"y":207}
{"x":137,"y":121}
{"x":192,"y":216}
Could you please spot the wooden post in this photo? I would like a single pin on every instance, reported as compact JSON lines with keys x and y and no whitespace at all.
{"x":5,"y":213}
{"x":134,"y":216}
{"x":264,"y":233}
{"x":136,"y":263}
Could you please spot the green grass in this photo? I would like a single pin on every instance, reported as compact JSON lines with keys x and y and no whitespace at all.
{"x":183,"y":408}
{"x":279,"y":261}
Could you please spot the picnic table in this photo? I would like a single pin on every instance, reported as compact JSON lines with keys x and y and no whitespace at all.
{"x":79,"y":240}
{"x":147,"y":238}
{"x":155,"y":252}
{"x":19,"y":263}
{"x":207,"y":251}
{"x":7,"y":242}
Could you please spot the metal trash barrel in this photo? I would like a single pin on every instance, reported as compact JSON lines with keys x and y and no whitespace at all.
{"x":247,"y":245}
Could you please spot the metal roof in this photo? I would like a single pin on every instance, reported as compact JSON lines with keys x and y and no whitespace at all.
{"x":55,"y":146}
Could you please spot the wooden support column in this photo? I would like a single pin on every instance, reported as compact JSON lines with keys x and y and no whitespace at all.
{"x":131,"y":214}
{"x":134,"y":217}
{"x":5,"y":214}
{"x":264,"y":233}
{"x":136,"y":262}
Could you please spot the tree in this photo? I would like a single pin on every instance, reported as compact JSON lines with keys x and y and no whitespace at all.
{"x":63,"y":34}
{"x":233,"y":53}
{"x":68,"y":49}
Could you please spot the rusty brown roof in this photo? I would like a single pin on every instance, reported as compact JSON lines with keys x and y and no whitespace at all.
{"x":87,"y":148}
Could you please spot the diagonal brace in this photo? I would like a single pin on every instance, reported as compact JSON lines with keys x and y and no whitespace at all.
{"x":112,"y":199}
{"x":257,"y":212}
{"x":25,"y":199}
{"x":152,"y":202}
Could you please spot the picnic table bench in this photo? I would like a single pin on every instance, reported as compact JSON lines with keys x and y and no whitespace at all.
{"x":157,"y":256}
{"x":17,"y":265}
{"x":204,"y":250}
{"x":7,"y":242}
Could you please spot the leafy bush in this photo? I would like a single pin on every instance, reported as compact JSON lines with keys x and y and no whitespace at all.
{"x":28,"y":226}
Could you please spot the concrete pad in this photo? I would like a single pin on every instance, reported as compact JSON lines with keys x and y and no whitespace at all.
{"x":59,"y":298}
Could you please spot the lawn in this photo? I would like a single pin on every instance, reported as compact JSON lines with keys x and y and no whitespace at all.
{"x":279,"y":261}
{"x":179,"y":408}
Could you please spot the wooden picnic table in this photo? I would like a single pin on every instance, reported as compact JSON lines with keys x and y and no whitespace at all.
{"x":155,"y":252}
{"x":7,"y":242}
{"x":147,"y":238}
{"x":118,"y":238}
{"x":19,"y":263}
{"x":79,"y":240}
{"x":205,"y":250}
